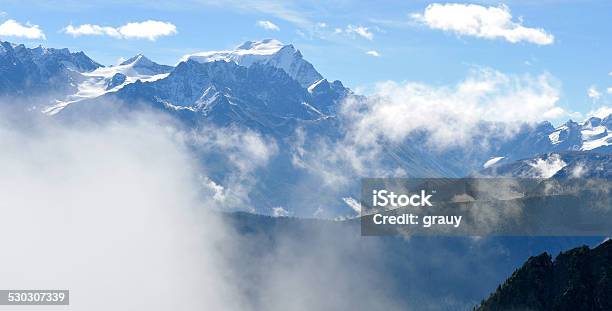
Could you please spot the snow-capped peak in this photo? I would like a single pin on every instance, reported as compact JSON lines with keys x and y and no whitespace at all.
{"x":591,"y":134}
{"x":246,"y":54}
{"x":110,"y":79}
{"x":263,"y":47}
{"x":133,"y":59}
{"x":138,"y":59}
{"x":270,"y":52}
{"x":137,"y":67}
{"x":596,"y":133}
{"x":141,"y":65}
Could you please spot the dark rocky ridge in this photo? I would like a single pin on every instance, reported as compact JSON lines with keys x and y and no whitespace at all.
{"x":579,"y":279}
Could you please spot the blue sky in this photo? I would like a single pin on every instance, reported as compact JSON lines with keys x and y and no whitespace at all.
{"x":567,"y":40}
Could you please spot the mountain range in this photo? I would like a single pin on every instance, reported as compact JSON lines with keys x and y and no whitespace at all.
{"x":41,"y":71}
{"x":269,"y":88}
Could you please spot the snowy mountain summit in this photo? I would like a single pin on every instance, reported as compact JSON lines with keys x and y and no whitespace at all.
{"x":266,"y":72}
{"x":264,"y":84}
{"x":144,"y":66}
{"x":594,"y":133}
{"x":269,"y":52}
{"x":103,"y":80}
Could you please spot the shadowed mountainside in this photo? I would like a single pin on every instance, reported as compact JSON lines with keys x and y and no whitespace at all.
{"x":578,"y":279}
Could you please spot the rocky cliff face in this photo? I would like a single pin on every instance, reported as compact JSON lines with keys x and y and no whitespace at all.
{"x":579,"y":279}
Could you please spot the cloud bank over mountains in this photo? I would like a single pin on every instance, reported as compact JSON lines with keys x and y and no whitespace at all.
{"x":451,"y":113}
{"x":114,"y":212}
{"x":118,"y":208}
{"x":269,"y":120}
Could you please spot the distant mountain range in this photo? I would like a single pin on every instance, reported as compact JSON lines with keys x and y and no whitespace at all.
{"x":572,"y":146}
{"x":569,"y":164}
{"x":41,"y":71}
{"x":268,"y":87}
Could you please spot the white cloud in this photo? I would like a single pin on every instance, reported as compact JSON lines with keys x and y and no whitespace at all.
{"x":609,"y":90}
{"x":546,"y":168}
{"x":279,"y":212}
{"x":246,"y":150}
{"x":121,"y":208}
{"x":92,"y":30}
{"x":579,"y":171}
{"x":373,"y":53}
{"x":593,"y":93}
{"x":12,"y":28}
{"x":480,"y":21}
{"x":452,"y":113}
{"x":360,"y":31}
{"x":485,"y":106}
{"x":149,"y":29}
{"x":268,"y":25}
{"x":239,"y":152}
{"x":148,"y":241}
{"x":218,"y":192}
